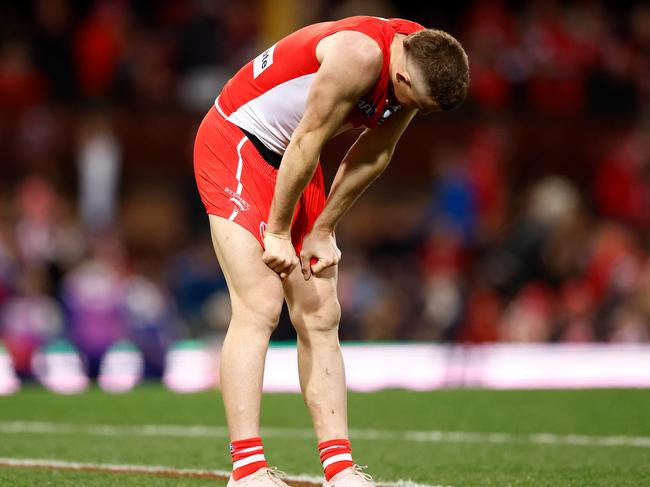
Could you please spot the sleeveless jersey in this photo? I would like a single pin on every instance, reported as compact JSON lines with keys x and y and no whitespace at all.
{"x":267,"y":97}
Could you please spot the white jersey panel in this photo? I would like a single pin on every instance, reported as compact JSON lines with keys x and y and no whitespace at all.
{"x":274,"y":115}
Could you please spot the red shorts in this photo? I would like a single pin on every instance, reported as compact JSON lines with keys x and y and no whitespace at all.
{"x":236,"y":183}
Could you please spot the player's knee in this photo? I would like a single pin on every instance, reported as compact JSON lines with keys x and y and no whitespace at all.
{"x":263,"y":313}
{"x":323,"y":316}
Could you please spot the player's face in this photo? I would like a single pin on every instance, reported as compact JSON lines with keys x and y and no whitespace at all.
{"x":412,"y":91}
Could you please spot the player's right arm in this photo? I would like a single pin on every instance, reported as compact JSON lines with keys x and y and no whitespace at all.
{"x":350,"y":66}
{"x":364,"y":162}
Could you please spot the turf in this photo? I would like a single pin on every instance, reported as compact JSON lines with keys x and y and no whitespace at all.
{"x":511,"y":463}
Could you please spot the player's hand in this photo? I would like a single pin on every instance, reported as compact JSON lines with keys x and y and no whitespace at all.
{"x":319,"y":251}
{"x":279,"y":254}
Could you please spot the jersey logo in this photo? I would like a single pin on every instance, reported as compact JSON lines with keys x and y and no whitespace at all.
{"x":388,"y":112}
{"x":263,"y":61}
{"x":366,"y":107}
{"x":237,"y":200}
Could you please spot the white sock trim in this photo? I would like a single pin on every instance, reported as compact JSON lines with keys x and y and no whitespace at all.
{"x":337,"y":458}
{"x":251,"y":449}
{"x":331,"y":448}
{"x":248,"y":460}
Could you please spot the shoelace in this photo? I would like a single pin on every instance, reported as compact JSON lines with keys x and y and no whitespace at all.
{"x":359,"y":470}
{"x":276,"y":475}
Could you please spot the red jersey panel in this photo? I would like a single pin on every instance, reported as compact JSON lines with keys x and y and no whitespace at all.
{"x":267,"y":97}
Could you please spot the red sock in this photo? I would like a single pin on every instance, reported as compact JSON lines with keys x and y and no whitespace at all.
{"x":335,"y":455}
{"x":247,"y":457}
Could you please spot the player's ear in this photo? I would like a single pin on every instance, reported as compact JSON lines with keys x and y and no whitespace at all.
{"x":403,"y":77}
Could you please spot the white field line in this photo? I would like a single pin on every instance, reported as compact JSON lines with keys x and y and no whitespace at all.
{"x":35,"y":463}
{"x":201,"y":431}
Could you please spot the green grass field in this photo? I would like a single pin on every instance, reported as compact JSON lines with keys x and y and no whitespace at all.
{"x":595,"y":438}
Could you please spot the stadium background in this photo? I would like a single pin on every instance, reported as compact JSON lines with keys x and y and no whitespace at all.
{"x":521,"y":217}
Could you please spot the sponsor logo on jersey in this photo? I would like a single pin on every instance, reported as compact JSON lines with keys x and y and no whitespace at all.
{"x":367,"y":108}
{"x":263,"y":61}
{"x":237,"y":200}
{"x":388,"y":112}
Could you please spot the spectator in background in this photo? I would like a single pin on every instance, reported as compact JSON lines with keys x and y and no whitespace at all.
{"x":30,"y":318}
{"x":639,"y":26}
{"x":198,"y":285}
{"x":576,"y":314}
{"x":490,"y":32}
{"x":622,"y":180}
{"x":147,"y":69}
{"x":201,"y":55}
{"x":99,"y":45}
{"x":99,"y":161}
{"x":8,"y":267}
{"x":150,"y":319}
{"x":560,"y":59}
{"x":52,"y":46}
{"x":92,"y":295}
{"x":21,"y":85}
{"x":452,"y":208}
{"x":44,"y":235}
{"x":528,"y":317}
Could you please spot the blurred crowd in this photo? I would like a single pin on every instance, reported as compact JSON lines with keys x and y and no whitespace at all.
{"x":498,"y":234}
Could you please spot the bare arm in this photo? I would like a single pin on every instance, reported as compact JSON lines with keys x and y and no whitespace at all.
{"x":349,"y":68}
{"x":346,"y":73}
{"x":364,"y":162}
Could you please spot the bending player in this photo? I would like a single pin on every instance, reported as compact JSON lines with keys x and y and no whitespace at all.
{"x":257,"y":167}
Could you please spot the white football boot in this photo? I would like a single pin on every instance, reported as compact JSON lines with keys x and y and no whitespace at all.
{"x":264,"y":477}
{"x":353,"y":476}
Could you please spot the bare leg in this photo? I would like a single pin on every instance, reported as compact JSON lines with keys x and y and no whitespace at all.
{"x":315,"y":313}
{"x":256,"y":295}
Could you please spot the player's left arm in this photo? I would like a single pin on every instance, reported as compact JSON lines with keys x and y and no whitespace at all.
{"x":364,"y":162}
{"x":351,"y":64}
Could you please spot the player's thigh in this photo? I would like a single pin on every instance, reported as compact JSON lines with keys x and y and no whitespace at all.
{"x":313,"y":303}
{"x":252,"y":285}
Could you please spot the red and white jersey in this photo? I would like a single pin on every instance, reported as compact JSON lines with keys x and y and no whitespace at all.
{"x":267,"y":97}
